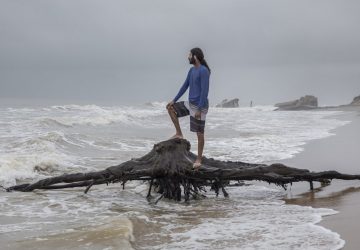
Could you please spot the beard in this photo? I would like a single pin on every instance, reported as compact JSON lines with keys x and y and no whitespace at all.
{"x":192,"y":60}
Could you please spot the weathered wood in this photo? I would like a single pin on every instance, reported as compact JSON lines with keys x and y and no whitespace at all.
{"x":169,"y":168}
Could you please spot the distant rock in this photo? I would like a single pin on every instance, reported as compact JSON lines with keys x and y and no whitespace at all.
{"x":233,"y":103}
{"x":304,"y":103}
{"x":356,"y":101}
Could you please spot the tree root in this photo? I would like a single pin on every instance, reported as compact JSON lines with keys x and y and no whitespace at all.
{"x":168,"y":167}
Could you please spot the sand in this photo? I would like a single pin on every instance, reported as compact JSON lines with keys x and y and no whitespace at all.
{"x":340,"y":152}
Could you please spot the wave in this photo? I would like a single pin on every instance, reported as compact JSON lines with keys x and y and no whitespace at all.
{"x":266,"y":136}
{"x":53,"y":141}
{"x":31,"y":157}
{"x":15,"y":167}
{"x":254,"y":217}
{"x":156,"y":104}
{"x":55,"y":137}
{"x":71,"y":107}
{"x":50,"y":122}
{"x":93,"y":115}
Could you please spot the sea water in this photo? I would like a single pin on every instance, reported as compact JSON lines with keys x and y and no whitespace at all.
{"x":40,"y":142}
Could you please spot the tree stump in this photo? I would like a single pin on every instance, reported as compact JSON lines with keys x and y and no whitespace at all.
{"x":168,"y":168}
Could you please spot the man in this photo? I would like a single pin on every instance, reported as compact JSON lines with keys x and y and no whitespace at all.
{"x":197,"y":106}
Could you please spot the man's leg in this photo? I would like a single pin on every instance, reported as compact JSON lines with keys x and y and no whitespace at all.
{"x":175,"y":120}
{"x":201,"y":141}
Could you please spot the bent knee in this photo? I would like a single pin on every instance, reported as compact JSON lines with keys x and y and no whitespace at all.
{"x":171,"y":111}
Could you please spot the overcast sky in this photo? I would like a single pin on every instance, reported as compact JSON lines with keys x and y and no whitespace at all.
{"x":120,"y":52}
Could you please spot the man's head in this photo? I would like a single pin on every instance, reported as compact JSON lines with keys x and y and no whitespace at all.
{"x":196,"y":54}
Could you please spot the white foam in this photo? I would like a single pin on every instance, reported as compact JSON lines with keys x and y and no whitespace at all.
{"x":22,"y":166}
{"x":67,"y":138}
{"x":155,"y":104}
{"x":250,"y":219}
{"x":32,"y":138}
{"x":265,"y":135}
{"x":253,"y":217}
{"x":25,"y":155}
{"x":93,"y":115}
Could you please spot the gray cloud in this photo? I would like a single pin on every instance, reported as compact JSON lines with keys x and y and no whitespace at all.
{"x":135,"y":51}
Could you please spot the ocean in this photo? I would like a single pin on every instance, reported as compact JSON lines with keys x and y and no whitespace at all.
{"x":40,"y":142}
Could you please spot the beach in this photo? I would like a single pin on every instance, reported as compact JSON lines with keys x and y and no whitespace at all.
{"x":47,"y":141}
{"x":339,"y":152}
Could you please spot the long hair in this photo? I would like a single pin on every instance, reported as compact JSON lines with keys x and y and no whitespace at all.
{"x":200,"y":56}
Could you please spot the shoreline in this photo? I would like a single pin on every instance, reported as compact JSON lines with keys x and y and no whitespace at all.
{"x":339,"y":152}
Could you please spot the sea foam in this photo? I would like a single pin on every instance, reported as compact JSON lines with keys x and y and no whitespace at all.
{"x":48,"y":141}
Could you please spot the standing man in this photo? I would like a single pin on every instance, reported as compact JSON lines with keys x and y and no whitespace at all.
{"x":197,"y":106}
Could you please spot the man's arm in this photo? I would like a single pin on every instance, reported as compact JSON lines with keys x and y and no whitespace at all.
{"x":204,"y":84}
{"x":183,"y":87}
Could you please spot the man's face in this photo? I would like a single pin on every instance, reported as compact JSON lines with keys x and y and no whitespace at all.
{"x":191,"y":59}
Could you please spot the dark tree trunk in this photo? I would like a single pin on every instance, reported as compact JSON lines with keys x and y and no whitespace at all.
{"x":168,"y":167}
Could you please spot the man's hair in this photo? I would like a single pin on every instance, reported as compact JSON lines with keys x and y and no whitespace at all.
{"x":200,"y":56}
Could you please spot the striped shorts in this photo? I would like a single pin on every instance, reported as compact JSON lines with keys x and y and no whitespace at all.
{"x":187,"y":108}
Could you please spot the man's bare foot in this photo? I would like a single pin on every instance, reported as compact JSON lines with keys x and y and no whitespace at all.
{"x":197,"y":164}
{"x":177,"y":136}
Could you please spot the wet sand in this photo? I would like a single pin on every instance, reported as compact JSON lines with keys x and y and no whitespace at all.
{"x":340,"y":152}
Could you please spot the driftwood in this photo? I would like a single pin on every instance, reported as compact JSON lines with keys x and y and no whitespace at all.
{"x":168,"y":168}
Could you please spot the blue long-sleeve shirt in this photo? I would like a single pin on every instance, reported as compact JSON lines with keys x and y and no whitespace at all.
{"x":198,"y":81}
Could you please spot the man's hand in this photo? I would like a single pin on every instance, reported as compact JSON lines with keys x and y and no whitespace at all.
{"x":169,"y":105}
{"x":198,"y":115}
